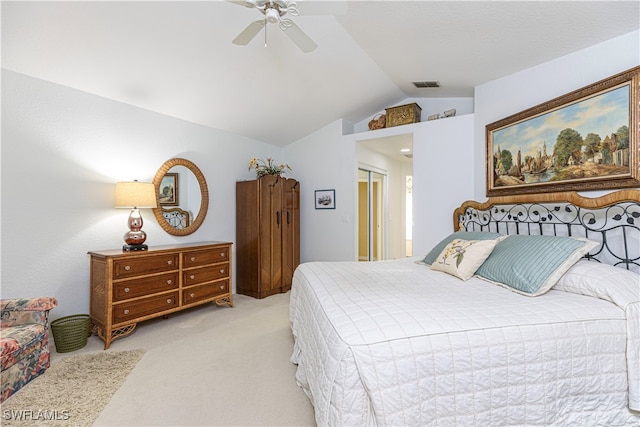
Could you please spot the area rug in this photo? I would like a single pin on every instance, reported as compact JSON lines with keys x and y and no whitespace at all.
{"x":73,"y":391}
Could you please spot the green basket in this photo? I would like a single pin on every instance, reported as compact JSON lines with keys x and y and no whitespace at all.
{"x":70,"y":332}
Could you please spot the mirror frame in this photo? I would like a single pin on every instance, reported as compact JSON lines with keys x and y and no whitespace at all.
{"x":204,"y":199}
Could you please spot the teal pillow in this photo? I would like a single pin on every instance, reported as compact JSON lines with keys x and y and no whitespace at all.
{"x":464,"y":235}
{"x":531,"y":265}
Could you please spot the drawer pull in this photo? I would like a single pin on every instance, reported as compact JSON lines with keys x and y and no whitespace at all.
{"x":169,"y":301}
{"x":192,"y":295}
{"x":193,"y":258}
{"x":223,"y":254}
{"x":222,"y":270}
{"x":127,"y":267}
{"x":126,"y":312}
{"x":222,"y":287}
{"x":170,"y":262}
{"x":169,"y":282}
{"x":192,"y":277}
{"x":127,"y":289}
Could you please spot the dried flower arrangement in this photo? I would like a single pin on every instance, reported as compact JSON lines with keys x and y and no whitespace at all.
{"x":267,"y":167}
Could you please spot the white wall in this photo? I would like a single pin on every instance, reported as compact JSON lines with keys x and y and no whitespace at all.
{"x":443,"y":153}
{"x":323,"y":161}
{"x":442,"y":177}
{"x":443,"y":174}
{"x":449,"y":154}
{"x":517,"y":92}
{"x":62,"y":152}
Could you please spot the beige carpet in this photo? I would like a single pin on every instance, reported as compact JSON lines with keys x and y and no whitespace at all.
{"x":73,"y":391}
{"x":212,"y":366}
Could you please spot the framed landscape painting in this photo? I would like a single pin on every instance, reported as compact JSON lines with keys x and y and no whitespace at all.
{"x":169,"y":190}
{"x":584,"y":140}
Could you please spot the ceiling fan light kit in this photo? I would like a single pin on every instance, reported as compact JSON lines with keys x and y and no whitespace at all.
{"x":274,"y":11}
{"x":272,"y":16}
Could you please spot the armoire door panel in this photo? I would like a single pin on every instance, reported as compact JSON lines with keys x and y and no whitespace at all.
{"x":271,"y":235}
{"x":291,"y":231}
{"x":247,"y":232}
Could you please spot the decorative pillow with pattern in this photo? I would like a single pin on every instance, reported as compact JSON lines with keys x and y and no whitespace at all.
{"x":464,"y":235}
{"x":461,"y":258}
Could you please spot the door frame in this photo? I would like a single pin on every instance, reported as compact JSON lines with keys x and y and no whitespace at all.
{"x":381,"y":208}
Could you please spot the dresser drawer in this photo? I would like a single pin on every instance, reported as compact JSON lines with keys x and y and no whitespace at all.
{"x":204,"y":257}
{"x":199,"y":293}
{"x":205,"y":274}
{"x":144,"y":265}
{"x":144,"y":307}
{"x":145,"y":286}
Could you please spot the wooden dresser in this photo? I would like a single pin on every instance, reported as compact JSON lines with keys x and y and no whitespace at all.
{"x":129,"y":287}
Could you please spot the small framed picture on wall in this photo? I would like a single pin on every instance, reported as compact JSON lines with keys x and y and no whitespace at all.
{"x":325,"y":199}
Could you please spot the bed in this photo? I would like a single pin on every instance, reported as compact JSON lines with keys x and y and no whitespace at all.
{"x":405,"y":343}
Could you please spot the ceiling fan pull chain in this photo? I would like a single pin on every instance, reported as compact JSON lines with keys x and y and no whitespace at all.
{"x":265,"y":32}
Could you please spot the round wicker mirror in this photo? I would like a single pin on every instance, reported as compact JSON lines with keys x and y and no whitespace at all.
{"x":172,"y":181}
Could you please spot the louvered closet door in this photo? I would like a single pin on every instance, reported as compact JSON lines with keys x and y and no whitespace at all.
{"x":291,"y":231}
{"x":271,"y":198}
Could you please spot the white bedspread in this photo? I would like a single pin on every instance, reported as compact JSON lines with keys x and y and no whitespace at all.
{"x":394,"y":343}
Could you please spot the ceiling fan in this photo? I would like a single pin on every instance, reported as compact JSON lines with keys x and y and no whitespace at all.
{"x":274,"y":11}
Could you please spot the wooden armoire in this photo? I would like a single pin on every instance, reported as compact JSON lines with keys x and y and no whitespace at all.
{"x":267,"y":235}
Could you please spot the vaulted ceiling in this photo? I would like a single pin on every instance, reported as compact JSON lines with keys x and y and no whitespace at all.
{"x":176,"y":57}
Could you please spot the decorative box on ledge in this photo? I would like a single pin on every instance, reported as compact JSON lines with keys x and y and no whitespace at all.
{"x":403,"y":114}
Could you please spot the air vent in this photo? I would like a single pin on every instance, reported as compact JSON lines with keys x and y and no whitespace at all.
{"x":433,"y":83}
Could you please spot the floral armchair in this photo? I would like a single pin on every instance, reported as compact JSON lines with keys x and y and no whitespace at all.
{"x":24,"y":341}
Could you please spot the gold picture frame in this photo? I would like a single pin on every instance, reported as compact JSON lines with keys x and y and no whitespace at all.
{"x":585,"y":140}
{"x":168,"y":190}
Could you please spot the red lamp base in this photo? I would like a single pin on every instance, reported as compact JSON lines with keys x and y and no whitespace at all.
{"x":135,"y":237}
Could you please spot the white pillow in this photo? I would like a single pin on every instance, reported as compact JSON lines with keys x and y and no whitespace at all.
{"x":461,"y":258}
{"x":621,"y":287}
{"x":594,"y":279}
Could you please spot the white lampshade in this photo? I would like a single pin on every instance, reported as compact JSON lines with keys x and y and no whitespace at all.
{"x":134,"y":194}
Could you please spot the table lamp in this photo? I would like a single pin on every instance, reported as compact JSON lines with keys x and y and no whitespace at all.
{"x":134,"y":195}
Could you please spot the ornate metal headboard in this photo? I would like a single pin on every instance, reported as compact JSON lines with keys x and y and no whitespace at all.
{"x":613,"y":220}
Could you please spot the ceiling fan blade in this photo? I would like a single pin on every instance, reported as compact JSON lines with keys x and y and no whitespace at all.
{"x":300,"y":38}
{"x":249,"y":33}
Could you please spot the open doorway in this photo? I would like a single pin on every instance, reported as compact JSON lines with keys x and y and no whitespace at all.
{"x":385,"y":216}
